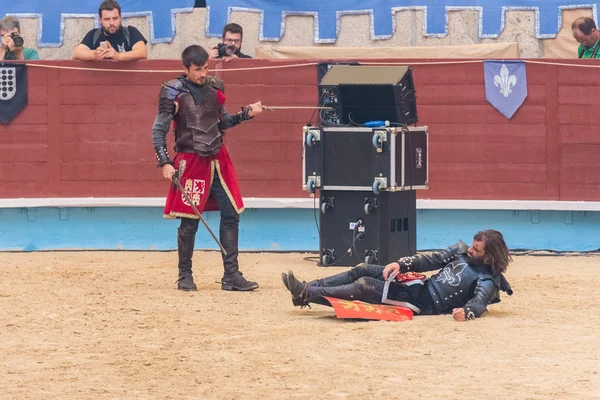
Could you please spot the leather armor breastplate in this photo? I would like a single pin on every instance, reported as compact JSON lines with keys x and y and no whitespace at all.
{"x":453,"y":286}
{"x":198,"y":125}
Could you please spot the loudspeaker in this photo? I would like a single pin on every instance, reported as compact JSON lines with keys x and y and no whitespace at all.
{"x":365,"y":159}
{"x":324,"y":67}
{"x":363,"y":93}
{"x":360,"y":227}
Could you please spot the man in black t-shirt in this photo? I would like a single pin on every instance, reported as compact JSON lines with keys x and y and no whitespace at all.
{"x":112,"y":40}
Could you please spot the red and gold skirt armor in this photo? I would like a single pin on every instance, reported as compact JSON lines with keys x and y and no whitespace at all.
{"x":196,"y":175}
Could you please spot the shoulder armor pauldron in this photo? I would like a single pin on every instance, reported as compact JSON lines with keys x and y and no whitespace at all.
{"x":173,"y":88}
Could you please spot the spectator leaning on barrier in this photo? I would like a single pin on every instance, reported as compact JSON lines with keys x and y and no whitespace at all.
{"x":230,"y":47}
{"x":12,"y":42}
{"x":112,"y":40}
{"x":585,"y":32}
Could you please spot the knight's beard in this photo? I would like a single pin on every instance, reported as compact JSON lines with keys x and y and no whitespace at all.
{"x":476,"y":261}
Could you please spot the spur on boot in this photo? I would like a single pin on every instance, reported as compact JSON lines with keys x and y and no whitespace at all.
{"x":296,"y":300}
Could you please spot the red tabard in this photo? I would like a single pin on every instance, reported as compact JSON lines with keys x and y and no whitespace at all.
{"x":196,"y":175}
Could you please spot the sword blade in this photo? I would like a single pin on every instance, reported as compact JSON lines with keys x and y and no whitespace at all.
{"x":187,"y":198}
{"x":296,"y":108}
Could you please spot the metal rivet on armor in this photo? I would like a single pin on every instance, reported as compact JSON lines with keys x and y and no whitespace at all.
{"x":450,"y":295}
{"x":437,"y":301}
{"x":445,"y":298}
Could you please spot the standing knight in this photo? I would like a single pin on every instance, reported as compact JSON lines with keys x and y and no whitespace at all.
{"x":194,"y":103}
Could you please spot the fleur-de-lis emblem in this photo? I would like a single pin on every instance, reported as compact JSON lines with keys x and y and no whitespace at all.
{"x":504,"y":81}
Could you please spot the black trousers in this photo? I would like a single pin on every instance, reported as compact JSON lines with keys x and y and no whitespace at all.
{"x":228,"y":233}
{"x":366,"y":283}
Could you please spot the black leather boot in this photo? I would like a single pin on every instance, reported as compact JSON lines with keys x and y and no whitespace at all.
{"x":233,"y":279}
{"x":186,"y":236}
{"x":302,"y":292}
{"x":343,"y":278}
{"x":296,"y":299}
{"x":186,"y":283}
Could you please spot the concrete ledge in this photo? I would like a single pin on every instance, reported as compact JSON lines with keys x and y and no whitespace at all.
{"x":279,"y":229}
{"x":256,"y":202}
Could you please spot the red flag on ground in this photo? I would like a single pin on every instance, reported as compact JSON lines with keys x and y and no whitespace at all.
{"x":360,"y":310}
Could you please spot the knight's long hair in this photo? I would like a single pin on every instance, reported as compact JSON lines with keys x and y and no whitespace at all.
{"x":497,"y":255}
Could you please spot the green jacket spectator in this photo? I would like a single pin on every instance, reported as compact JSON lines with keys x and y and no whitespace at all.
{"x":585,"y":32}
{"x":12,"y":41}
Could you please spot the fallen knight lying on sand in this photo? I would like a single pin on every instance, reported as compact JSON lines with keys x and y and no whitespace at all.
{"x":469,"y":279}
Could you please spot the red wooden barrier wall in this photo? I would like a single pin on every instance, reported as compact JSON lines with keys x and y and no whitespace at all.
{"x":87,"y":133}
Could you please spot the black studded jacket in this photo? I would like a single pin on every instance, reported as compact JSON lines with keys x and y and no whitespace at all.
{"x":458,"y":283}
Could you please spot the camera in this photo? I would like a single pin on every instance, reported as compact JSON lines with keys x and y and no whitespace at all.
{"x":17,"y":40}
{"x":225,"y":50}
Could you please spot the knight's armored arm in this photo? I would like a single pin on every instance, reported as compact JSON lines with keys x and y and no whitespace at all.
{"x":162,"y":123}
{"x":485,"y":292}
{"x":159,"y":138}
{"x":433,"y":261}
{"x":231,"y":120}
{"x":227,"y":120}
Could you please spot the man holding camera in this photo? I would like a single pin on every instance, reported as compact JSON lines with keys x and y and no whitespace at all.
{"x":112,"y":40}
{"x":230,"y":47}
{"x":12,"y":42}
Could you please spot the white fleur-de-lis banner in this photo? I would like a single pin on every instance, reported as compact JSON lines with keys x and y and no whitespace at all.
{"x":505,"y":85}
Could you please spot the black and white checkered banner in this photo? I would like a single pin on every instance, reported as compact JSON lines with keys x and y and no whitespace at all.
{"x":13,"y":90}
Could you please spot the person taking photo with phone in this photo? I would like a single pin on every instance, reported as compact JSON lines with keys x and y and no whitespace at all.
{"x":112,"y":40}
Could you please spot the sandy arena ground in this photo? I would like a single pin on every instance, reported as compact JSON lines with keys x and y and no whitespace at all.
{"x":91,"y":325}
